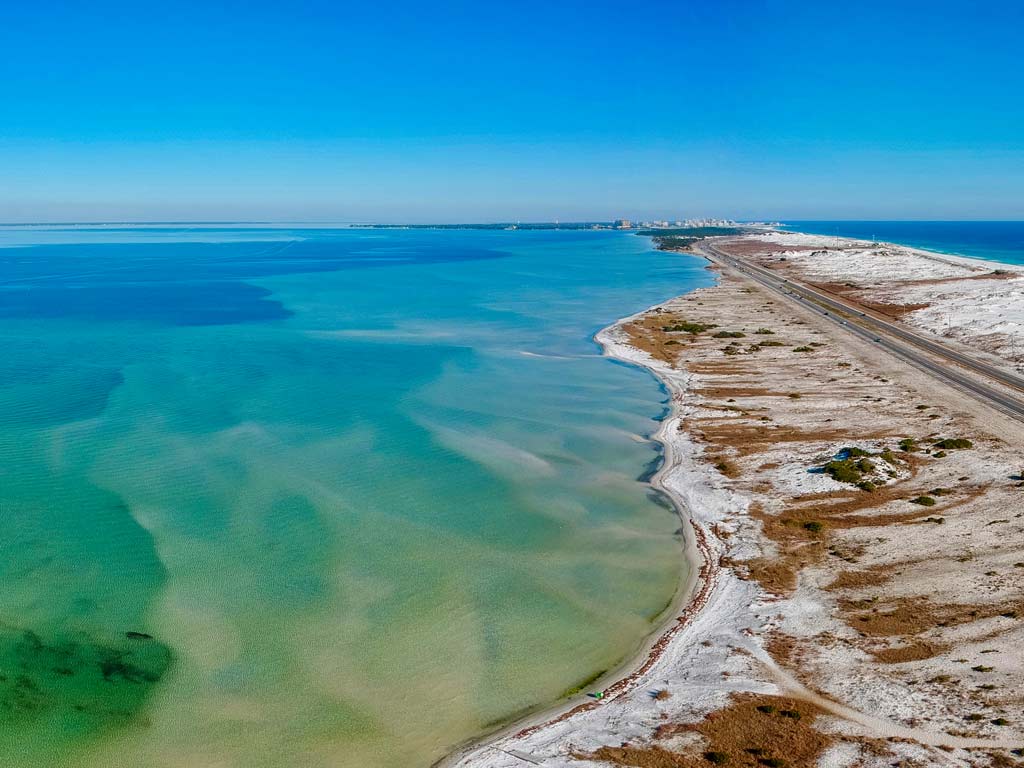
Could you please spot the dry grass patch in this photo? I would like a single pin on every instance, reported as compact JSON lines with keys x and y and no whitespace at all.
{"x":917,"y":651}
{"x":895,"y":311}
{"x":721,"y":368}
{"x":777,"y":575}
{"x":801,"y":533}
{"x":872,"y":577}
{"x":749,"y":438}
{"x":752,"y":731}
{"x":646,"y":334}
{"x":724,"y":466}
{"x":901,"y":616}
{"x":725,"y":392}
{"x":906,"y":616}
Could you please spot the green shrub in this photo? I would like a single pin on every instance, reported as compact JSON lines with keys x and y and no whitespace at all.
{"x":907,"y":445}
{"x":843,"y":471}
{"x":765,"y":331}
{"x":950,"y":443}
{"x":729,"y":335}
{"x":770,"y":343}
{"x":718,"y":758}
{"x":814,"y":526}
{"x":866,"y":485}
{"x":924,"y":501}
{"x":766,"y":708}
{"x":790,"y":713}
{"x":802,"y":349}
{"x":688,"y":327}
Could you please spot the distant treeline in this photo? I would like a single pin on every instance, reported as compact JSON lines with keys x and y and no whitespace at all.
{"x":675,"y":243}
{"x":682,"y":239}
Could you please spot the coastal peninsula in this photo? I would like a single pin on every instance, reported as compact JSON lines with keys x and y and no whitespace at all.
{"x":854,"y":500}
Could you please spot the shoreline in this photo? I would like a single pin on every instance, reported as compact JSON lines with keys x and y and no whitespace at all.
{"x":698,"y":574}
{"x":696,"y":492}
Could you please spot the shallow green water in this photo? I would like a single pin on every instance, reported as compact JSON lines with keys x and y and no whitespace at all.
{"x":293,"y":497}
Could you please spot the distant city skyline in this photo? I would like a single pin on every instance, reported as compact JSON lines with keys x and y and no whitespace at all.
{"x":457,"y":113}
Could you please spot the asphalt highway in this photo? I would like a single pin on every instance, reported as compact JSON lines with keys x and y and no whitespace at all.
{"x":895,"y":339}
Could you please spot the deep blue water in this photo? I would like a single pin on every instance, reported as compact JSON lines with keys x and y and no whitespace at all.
{"x":192,"y":283}
{"x":995,"y":240}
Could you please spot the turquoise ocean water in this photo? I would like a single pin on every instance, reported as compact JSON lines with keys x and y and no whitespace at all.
{"x":277,"y":497}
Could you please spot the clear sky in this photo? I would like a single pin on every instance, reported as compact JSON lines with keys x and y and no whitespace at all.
{"x":472,"y":111}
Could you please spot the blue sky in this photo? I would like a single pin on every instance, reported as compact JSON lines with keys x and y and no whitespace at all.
{"x":453,"y":111}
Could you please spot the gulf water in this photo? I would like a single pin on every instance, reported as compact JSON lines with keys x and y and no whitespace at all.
{"x":320,"y":497}
{"x":994,"y":240}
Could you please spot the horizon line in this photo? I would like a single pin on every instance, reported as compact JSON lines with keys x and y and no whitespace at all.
{"x":456,"y":223}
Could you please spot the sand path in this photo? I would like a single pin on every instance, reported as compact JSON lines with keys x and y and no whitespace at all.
{"x":876,"y":726}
